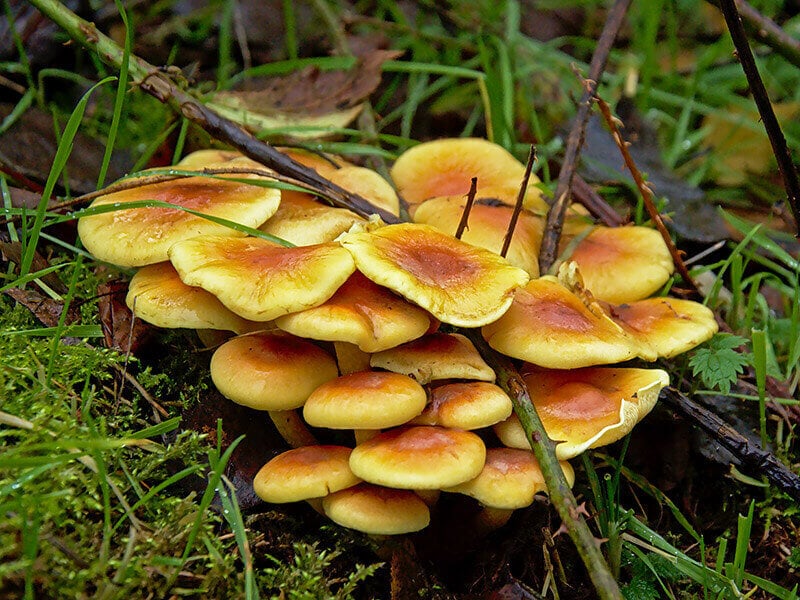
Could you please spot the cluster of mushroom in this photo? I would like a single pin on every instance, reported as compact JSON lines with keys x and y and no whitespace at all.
{"x":349,"y":330}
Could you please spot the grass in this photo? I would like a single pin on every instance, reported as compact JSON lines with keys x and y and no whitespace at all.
{"x":101,"y":499}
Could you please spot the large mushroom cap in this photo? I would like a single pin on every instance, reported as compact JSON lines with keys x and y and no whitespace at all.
{"x":377,"y":510}
{"x":305,"y":473}
{"x":435,"y":356}
{"x":466,"y":405}
{"x":258,"y":279}
{"x":142,"y":236}
{"x":365,"y":400}
{"x":487,"y":226}
{"x":550,"y":326}
{"x":670,"y":326}
{"x":424,"y":458}
{"x":157,"y":295}
{"x":270,"y":371}
{"x":369,"y":185}
{"x":509,"y":479}
{"x":586,"y":408}
{"x":459,"y":284}
{"x":446,"y":167}
{"x":363,"y":313}
{"x":623,"y":264}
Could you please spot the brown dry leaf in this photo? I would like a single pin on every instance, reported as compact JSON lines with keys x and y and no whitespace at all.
{"x":121,"y":331}
{"x":46,"y":310}
{"x":308,"y":98}
{"x":12,"y":252}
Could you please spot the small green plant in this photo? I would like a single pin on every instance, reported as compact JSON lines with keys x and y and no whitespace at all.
{"x":718,"y":364}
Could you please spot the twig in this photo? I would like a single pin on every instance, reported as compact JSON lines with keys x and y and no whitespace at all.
{"x":462,"y":224}
{"x":557,"y":212}
{"x":767,"y":31}
{"x":159,"y":85}
{"x":523,"y":188}
{"x":771,"y":125}
{"x":646,"y":192}
{"x":558,"y":489}
{"x":594,"y":203}
{"x":748,"y":454}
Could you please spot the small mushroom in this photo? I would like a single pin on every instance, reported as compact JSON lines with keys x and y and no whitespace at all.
{"x":419,"y":457}
{"x":260,"y":280}
{"x":466,"y":405}
{"x":362,"y":313}
{"x":435,"y":356}
{"x":365,"y":400}
{"x":369,"y":185}
{"x":270,"y":371}
{"x":303,"y":221}
{"x":459,"y":284}
{"x":377,"y":510}
{"x":305,"y":473}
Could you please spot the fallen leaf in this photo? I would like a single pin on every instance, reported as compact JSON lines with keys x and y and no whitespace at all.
{"x":46,"y":310}
{"x":692,"y":216}
{"x":310,"y":98}
{"x":121,"y":330}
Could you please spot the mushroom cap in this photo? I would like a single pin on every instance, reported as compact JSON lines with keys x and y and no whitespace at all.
{"x":585,"y":408}
{"x":270,"y":371}
{"x":419,"y":457}
{"x":466,"y":405}
{"x":623,"y":264}
{"x":446,"y":167}
{"x":369,"y":185}
{"x":551,"y":326}
{"x":365,"y":400}
{"x":487,"y":226}
{"x":435,"y":356}
{"x":260,"y":280}
{"x":157,"y":295}
{"x":304,"y":473}
{"x":458,"y":283}
{"x":363,"y":313}
{"x":510,"y":479}
{"x":208,"y":157}
{"x":322,"y":163}
{"x":670,"y":326}
{"x":303,"y":221}
{"x":142,"y":236}
{"x":377,"y":510}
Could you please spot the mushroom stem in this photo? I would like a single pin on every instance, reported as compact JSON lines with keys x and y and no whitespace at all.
{"x":292,"y":429}
{"x":350,"y":358}
{"x":364,"y":435}
{"x":490,"y":519}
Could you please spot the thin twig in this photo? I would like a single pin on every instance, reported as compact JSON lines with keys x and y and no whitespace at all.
{"x":523,"y":188}
{"x":462,"y":224}
{"x":159,"y":85}
{"x":557,"y":212}
{"x":761,"y":98}
{"x":749,"y":455}
{"x":594,"y":203}
{"x":558,"y":489}
{"x":646,"y":192}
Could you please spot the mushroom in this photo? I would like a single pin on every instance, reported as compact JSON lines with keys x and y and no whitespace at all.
{"x":270,"y":371}
{"x":377,"y":510}
{"x":142,"y":236}
{"x":435,"y":356}
{"x":362,"y":313}
{"x":585,"y":408}
{"x":445,"y":168}
{"x":157,"y":295}
{"x":459,"y":284}
{"x":305,"y":473}
{"x":303,"y":221}
{"x":419,"y":457}
{"x":551,"y":326}
{"x":622,"y":264}
{"x":365,"y":400}
{"x":489,"y":221}
{"x":466,"y":405}
{"x":369,"y":185}
{"x":260,"y":280}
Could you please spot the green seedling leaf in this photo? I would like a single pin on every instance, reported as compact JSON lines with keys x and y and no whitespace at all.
{"x":717,"y":363}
